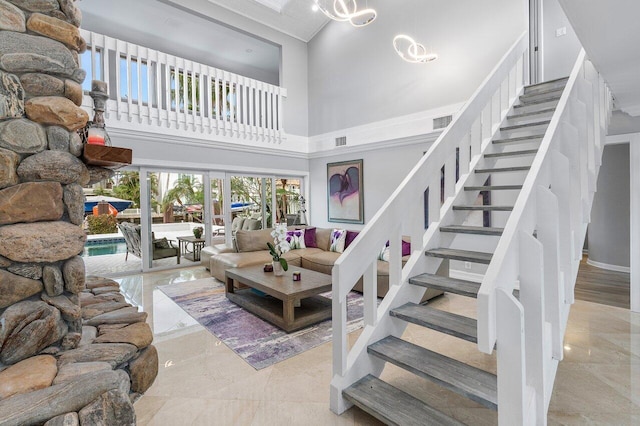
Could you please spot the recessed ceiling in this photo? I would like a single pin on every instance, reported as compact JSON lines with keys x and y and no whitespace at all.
{"x":291,"y":17}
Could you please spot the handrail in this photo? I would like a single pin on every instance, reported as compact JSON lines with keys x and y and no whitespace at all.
{"x":459,"y":148}
{"x":152,"y":87}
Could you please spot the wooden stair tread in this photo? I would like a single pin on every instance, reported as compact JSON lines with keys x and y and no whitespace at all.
{"x":471,"y":382}
{"x":447,"y":284}
{"x":476,"y":230}
{"x":525,"y":125}
{"x":393,"y":406}
{"x":512,"y":153}
{"x":531,"y":113}
{"x":493,"y":188}
{"x":465,"y":255}
{"x":445,"y":322}
{"x":540,"y":98}
{"x":504,"y":169}
{"x":561,"y":80}
{"x":517,"y":139}
{"x":485,"y":208}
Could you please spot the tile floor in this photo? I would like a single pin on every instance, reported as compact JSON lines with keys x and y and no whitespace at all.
{"x":202,"y":382}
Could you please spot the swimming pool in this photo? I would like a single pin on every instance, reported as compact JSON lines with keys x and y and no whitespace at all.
{"x":104,"y":247}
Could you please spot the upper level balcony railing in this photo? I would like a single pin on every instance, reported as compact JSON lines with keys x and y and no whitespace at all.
{"x":156,"y":90}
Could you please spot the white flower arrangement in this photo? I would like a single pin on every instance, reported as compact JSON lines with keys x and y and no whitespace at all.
{"x":280,"y":244}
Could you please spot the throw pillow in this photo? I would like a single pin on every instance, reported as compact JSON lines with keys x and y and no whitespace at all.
{"x":310,"y":237}
{"x":338,"y":237}
{"x":384,"y":253}
{"x":351,"y":235}
{"x":406,"y":248}
{"x":296,"y":239}
{"x":162,"y":243}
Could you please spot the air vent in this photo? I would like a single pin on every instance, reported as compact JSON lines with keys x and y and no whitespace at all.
{"x":341,"y":141}
{"x":442,"y":122}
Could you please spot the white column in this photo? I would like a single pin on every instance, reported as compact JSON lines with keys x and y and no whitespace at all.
{"x":634,"y":174}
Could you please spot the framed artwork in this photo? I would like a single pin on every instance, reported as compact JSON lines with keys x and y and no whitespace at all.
{"x":345,"y":192}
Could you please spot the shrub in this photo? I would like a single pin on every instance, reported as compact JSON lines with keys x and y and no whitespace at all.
{"x":102,"y":224}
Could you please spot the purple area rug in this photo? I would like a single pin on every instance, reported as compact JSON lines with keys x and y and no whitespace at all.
{"x":258,"y":342}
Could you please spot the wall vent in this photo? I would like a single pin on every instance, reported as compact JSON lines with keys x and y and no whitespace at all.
{"x":442,"y":122}
{"x":341,"y":141}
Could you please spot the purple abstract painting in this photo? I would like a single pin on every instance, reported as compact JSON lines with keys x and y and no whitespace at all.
{"x":345,"y":192}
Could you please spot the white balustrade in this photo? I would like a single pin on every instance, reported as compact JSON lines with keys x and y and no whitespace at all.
{"x":158,"y":90}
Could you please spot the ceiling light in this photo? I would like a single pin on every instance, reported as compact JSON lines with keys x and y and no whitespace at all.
{"x":315,"y":7}
{"x":346,"y":10}
{"x":411,"y":51}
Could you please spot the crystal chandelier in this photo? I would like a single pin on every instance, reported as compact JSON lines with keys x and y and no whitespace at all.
{"x":412,"y":51}
{"x":346,"y":10}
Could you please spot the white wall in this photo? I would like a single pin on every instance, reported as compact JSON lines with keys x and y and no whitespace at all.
{"x":356,"y":77}
{"x":559,"y":52}
{"x":609,"y":232}
{"x":383,"y":170}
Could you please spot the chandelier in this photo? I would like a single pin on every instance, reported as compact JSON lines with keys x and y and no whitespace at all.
{"x":412,"y":51}
{"x":346,"y":10}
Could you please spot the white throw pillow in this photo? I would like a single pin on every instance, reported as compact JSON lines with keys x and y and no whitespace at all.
{"x":338,"y":238}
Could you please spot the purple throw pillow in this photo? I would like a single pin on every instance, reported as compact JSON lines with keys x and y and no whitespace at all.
{"x":310,"y":237}
{"x":406,"y":248}
{"x":351,"y":235}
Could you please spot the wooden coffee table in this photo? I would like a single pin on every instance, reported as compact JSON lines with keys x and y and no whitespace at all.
{"x":279,"y":308}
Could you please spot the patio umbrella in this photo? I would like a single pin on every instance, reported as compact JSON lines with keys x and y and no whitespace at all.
{"x":117,"y":203}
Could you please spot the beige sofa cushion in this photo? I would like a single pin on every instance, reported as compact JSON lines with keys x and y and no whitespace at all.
{"x":247,"y":241}
{"x":323,"y":238}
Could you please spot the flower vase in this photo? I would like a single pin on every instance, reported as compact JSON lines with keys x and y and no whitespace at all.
{"x":277,"y":269}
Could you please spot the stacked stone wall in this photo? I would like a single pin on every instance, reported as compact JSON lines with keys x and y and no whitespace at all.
{"x":70,"y":353}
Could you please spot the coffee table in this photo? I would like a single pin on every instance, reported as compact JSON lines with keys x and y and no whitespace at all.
{"x":279,"y":308}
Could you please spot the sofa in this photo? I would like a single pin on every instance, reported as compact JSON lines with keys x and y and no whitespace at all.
{"x":250,"y":248}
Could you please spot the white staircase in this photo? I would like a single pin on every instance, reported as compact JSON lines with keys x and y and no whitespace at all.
{"x":537,"y":150}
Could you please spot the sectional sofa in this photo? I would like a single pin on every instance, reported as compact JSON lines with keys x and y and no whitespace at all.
{"x":251,"y":249}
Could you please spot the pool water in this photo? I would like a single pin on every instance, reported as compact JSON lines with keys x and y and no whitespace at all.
{"x":104,"y":247}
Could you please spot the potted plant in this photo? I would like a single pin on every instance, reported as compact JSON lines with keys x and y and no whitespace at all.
{"x":279,"y":247}
{"x":197,"y":231}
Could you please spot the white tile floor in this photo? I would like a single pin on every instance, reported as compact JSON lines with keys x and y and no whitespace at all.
{"x":202,"y":382}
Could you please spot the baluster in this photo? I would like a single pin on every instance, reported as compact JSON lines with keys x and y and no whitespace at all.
{"x":129,"y":85}
{"x":339,"y":324}
{"x":202,"y":81}
{"x":531,"y":296}
{"x":118,"y":81}
{"x":245,"y":101}
{"x":434,"y":198}
{"x":173,"y":95}
{"x":233,"y":99}
{"x":263,"y":107}
{"x":511,"y":360}
{"x":210,"y":84}
{"x":395,"y":256}
{"x":93,"y":57}
{"x":548,"y":226}
{"x":267,"y":94}
{"x":251,"y":104}
{"x":465,"y":154}
{"x":280,"y":112}
{"x":450,"y":176}
{"x":149,"y":87}
{"x":194,"y":88}
{"x":225,"y":110}
{"x":370,"y":293}
{"x":561,"y":187}
{"x":185,"y":93}
{"x":159,"y":91}
{"x":138,"y":60}
{"x":218,"y":90}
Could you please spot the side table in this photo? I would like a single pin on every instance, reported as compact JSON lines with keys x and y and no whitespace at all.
{"x":192,"y":254}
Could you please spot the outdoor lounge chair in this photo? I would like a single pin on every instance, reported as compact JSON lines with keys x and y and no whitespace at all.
{"x":162,"y":248}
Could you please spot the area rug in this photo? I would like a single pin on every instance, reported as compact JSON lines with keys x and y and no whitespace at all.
{"x":258,"y":342}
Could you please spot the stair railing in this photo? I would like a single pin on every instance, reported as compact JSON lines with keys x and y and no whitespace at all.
{"x":540,"y":251}
{"x":428,"y":190}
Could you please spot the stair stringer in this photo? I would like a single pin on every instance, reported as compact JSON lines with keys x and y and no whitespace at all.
{"x":471,"y":132}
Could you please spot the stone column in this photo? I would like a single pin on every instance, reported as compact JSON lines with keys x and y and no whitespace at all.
{"x":41,"y":177}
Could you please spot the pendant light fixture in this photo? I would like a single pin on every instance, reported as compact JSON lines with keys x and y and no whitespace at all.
{"x":346,"y":11}
{"x":412,"y":51}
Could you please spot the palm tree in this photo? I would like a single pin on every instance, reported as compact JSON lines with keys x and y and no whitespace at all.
{"x":187,"y":189}
{"x":128,"y":188}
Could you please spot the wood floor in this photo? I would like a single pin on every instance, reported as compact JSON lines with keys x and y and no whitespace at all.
{"x":602,"y":286}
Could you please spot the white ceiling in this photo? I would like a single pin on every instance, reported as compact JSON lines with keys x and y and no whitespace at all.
{"x":610,"y":34}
